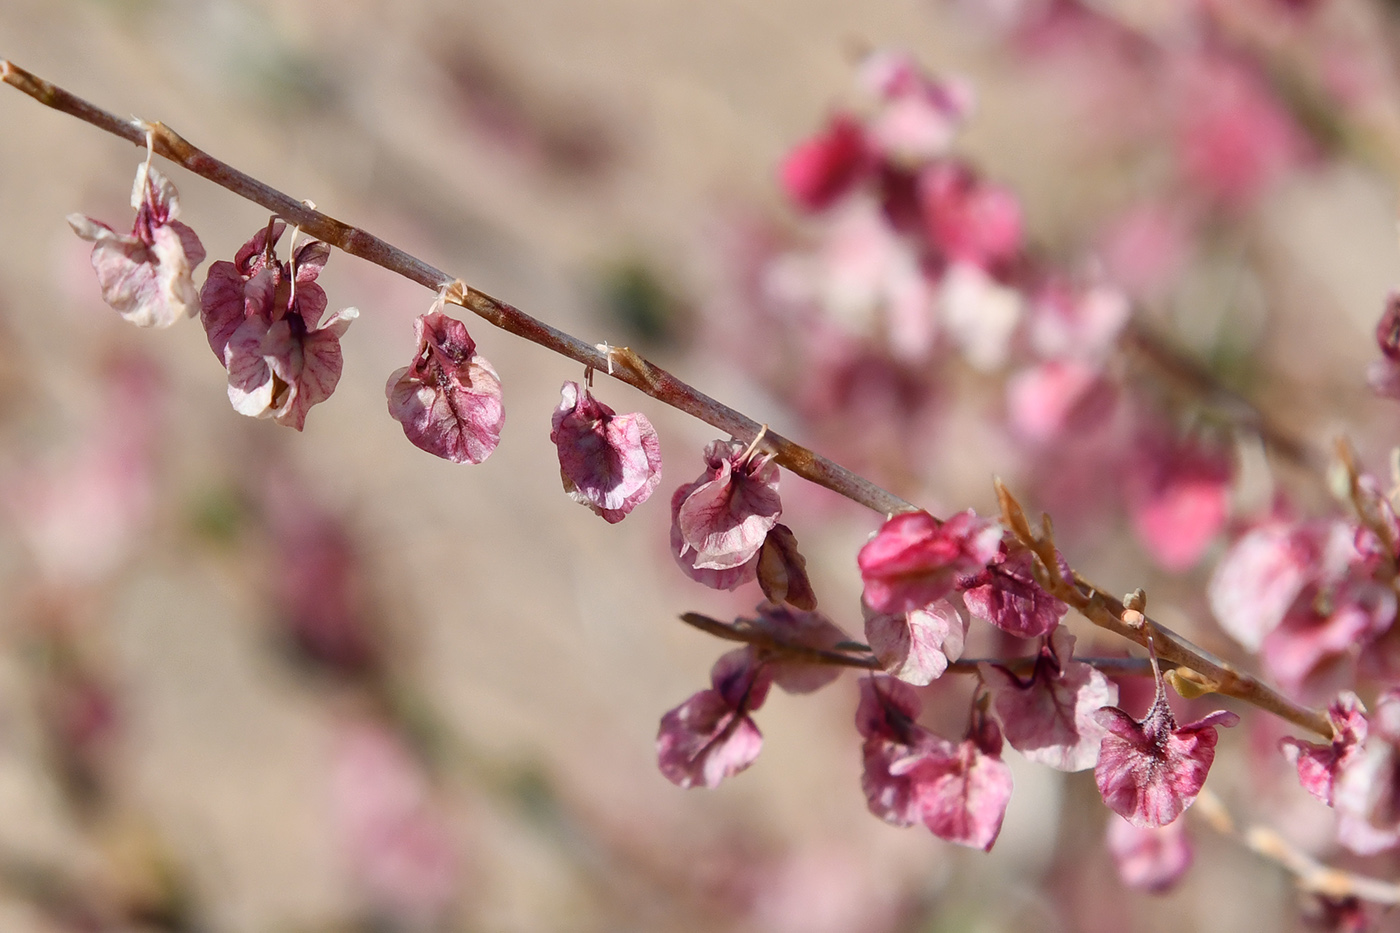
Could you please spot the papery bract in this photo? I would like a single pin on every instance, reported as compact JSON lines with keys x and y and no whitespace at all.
{"x":1005,"y":594}
{"x":915,"y":560}
{"x":958,"y":790}
{"x":720,"y":521}
{"x":782,"y":570}
{"x":1149,"y":771}
{"x":916,"y":646}
{"x":803,"y":629}
{"x":1050,"y":717}
{"x":1320,"y":765}
{"x":449,"y":398}
{"x":710,"y":736}
{"x":1366,"y":790}
{"x":1149,"y":858}
{"x":146,"y":275}
{"x":609,"y":462}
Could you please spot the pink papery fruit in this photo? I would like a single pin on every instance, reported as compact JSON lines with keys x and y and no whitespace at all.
{"x":611,"y":463}
{"x":265,"y":322}
{"x":1366,"y":791}
{"x":720,"y":522}
{"x":145,"y":275}
{"x":917,"y":646}
{"x":1050,"y":716}
{"x":1005,"y":594}
{"x":449,"y":398}
{"x":914,"y":559}
{"x":1320,"y":765}
{"x":1151,"y":770}
{"x":710,"y":736}
{"x":958,"y":790}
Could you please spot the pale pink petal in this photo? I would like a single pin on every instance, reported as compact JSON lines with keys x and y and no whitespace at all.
{"x":449,"y":399}
{"x":916,"y":646}
{"x":915,"y":560}
{"x":729,"y":510}
{"x":1006,"y":595}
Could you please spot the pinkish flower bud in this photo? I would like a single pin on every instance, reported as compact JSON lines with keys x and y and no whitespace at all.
{"x":608,"y":462}
{"x":1149,"y":771}
{"x":710,"y":736}
{"x":1050,"y":717}
{"x":145,"y":275}
{"x":821,"y":170}
{"x":966,"y":219}
{"x":449,"y":398}
{"x":720,"y":521}
{"x":915,"y":560}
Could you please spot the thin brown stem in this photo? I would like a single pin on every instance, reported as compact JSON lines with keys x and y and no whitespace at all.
{"x":628,"y":367}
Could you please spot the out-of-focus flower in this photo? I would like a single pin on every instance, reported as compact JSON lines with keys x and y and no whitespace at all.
{"x":1149,"y":858}
{"x":1057,"y":398}
{"x":917,"y":116}
{"x":400,"y":851}
{"x":145,"y":275}
{"x":1366,"y":785}
{"x":710,"y":736}
{"x":980,"y":314}
{"x":449,"y":398}
{"x":720,"y":521}
{"x":1179,"y":497}
{"x":609,"y":462}
{"x":966,"y":219}
{"x":1050,"y":716}
{"x":818,"y":172}
{"x":266,"y":323}
{"x":914,"y":559}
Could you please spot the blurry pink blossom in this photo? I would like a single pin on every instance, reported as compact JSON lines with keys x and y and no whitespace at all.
{"x":1366,"y":790}
{"x":819,"y":171}
{"x":980,"y":314}
{"x":710,"y":736}
{"x":720,"y":521}
{"x":1145,"y":249}
{"x":1179,"y":497}
{"x":1235,"y":137}
{"x":399,"y":848}
{"x":146,"y":275}
{"x":1082,"y":323}
{"x":916,"y":646}
{"x":1054,"y":399}
{"x":918,"y":116}
{"x":449,"y":398}
{"x":1149,"y":858}
{"x":1050,"y":716}
{"x":966,"y":219}
{"x":609,"y":463}
{"x":915,"y":560}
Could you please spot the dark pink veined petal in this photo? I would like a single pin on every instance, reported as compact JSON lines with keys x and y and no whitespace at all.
{"x":729,"y":579}
{"x":1320,"y":765}
{"x":728,"y":511}
{"x":279,"y":371}
{"x":1049,"y":717}
{"x":1150,"y":771}
{"x":916,"y":646}
{"x":608,"y":462}
{"x":449,"y":399}
{"x":816,"y":173}
{"x":710,"y":736}
{"x":1006,"y":595}
{"x":915,"y":560}
{"x":228,"y":299}
{"x":1149,"y":858}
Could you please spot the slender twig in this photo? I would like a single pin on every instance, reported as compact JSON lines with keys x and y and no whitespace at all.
{"x":628,"y":367}
{"x":1312,"y":875}
{"x":621,"y":364}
